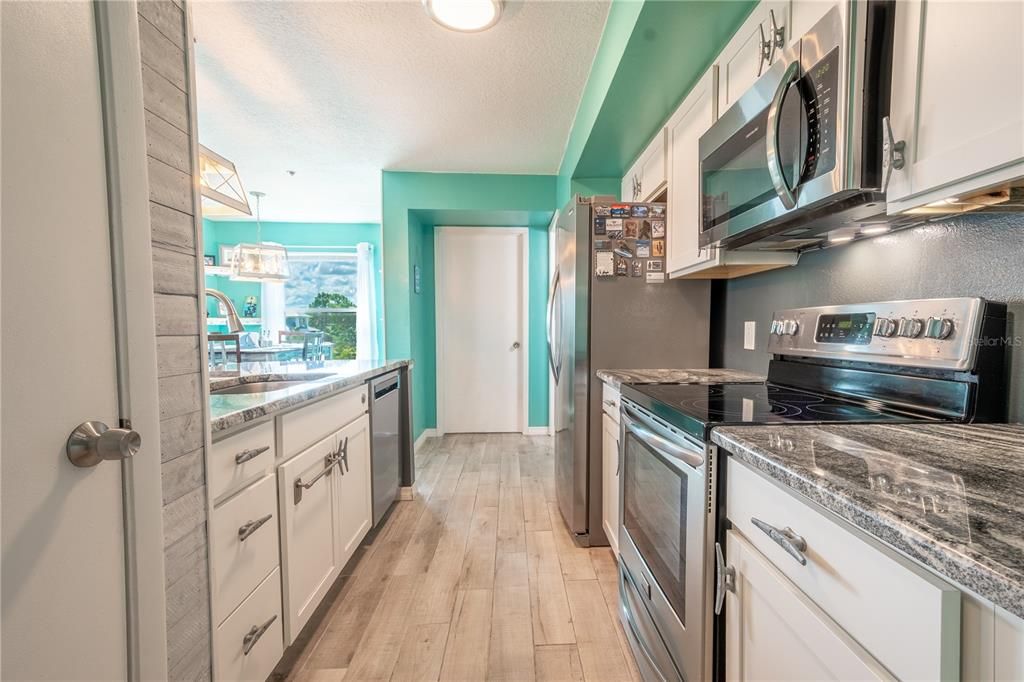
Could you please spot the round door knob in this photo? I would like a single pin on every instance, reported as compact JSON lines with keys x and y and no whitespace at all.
{"x":93,"y":442}
{"x":885,"y":327}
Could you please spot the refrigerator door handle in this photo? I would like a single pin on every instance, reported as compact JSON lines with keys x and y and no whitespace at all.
{"x":556,"y":283}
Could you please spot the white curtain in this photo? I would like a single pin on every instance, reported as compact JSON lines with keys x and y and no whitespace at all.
{"x":273,"y":308}
{"x":366,"y":304}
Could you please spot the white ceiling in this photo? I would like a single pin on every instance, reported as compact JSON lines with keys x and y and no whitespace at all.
{"x":338,"y":91}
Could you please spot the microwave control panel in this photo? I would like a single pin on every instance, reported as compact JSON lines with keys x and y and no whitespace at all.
{"x":820,"y":87}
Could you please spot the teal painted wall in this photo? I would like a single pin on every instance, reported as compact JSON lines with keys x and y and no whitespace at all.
{"x":414,"y":204}
{"x":230,"y":232}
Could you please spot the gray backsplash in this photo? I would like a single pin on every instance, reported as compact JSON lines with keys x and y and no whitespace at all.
{"x":974,"y":255}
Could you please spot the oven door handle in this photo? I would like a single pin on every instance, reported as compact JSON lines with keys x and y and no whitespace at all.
{"x":782,"y":188}
{"x":659,"y":443}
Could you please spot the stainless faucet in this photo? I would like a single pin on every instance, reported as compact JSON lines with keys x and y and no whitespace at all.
{"x":234,"y":323}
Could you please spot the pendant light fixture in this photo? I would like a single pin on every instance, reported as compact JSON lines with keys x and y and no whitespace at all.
{"x":467,"y":16}
{"x":262,"y":261}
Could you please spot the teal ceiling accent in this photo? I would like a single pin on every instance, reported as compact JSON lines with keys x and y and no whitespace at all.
{"x":483,"y":218}
{"x":670,"y":47}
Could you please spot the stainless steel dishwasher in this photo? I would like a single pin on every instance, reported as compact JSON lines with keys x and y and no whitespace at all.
{"x":385,"y":412}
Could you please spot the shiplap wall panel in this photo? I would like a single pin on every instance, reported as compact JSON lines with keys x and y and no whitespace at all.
{"x":164,"y":64}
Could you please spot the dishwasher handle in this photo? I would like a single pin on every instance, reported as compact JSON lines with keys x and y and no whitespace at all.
{"x":383,"y":387}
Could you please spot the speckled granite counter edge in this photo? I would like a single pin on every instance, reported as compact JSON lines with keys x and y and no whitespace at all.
{"x":945,"y":561}
{"x":617,"y":377}
{"x":320,"y":389}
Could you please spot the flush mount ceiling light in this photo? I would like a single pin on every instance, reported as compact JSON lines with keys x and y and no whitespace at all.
{"x":468,"y":16}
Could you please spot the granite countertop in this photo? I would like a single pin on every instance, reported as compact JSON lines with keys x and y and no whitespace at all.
{"x":617,"y":377}
{"x":892,"y":482}
{"x":324,"y":377}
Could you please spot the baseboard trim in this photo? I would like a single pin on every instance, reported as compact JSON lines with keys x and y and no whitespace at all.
{"x":536,"y":431}
{"x":427,"y":433}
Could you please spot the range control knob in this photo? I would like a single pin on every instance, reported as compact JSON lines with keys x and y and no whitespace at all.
{"x":938,"y":328}
{"x":910,"y":327}
{"x":776,"y":329}
{"x":790,"y":327}
{"x":885,"y":327}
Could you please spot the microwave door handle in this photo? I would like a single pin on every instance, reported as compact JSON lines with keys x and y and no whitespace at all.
{"x":661,"y":445}
{"x":782,"y":188}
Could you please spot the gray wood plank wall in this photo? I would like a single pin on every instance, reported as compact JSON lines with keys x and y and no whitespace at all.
{"x":162,"y":34}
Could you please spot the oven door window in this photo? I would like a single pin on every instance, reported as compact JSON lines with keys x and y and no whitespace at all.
{"x":654,"y":514}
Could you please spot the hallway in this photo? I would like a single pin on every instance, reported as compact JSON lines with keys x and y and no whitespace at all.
{"x":477,"y":578}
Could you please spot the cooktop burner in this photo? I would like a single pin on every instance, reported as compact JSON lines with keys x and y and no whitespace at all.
{"x":717,"y":404}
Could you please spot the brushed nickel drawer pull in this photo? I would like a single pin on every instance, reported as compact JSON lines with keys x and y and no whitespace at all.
{"x":253,"y":636}
{"x":301,"y":485}
{"x":342,"y":456}
{"x":245,"y":455}
{"x":250,"y":527}
{"x":786,"y":538}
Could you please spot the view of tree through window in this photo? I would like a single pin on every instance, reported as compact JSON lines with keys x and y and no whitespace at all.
{"x":322,"y":286}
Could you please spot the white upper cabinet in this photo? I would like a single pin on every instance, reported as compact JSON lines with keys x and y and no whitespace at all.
{"x":691,"y":120}
{"x":957,"y":98}
{"x":648,"y":176}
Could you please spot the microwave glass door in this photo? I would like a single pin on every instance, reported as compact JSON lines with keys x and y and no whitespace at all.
{"x":735,"y":176}
{"x":655,"y":507}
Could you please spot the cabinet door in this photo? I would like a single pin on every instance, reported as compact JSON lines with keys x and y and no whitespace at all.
{"x":739,"y":64}
{"x":774,"y":632}
{"x":610,"y":481}
{"x":352,"y":498}
{"x":694,"y":116}
{"x":957,"y":94}
{"x":631,"y":182}
{"x":307,"y":532}
{"x":653,"y":175}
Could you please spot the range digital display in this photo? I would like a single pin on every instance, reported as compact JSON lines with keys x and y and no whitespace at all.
{"x":850,"y":328}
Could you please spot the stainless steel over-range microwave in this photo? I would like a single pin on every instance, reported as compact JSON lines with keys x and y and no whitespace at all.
{"x":800,"y":153}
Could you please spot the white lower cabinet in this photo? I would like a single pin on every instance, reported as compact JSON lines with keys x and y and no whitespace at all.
{"x":774,"y":632}
{"x":610,"y":480}
{"x":324,"y":496}
{"x":249,"y":642}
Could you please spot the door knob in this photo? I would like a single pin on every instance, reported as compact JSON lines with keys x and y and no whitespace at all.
{"x":92,"y":442}
{"x":515,"y":345}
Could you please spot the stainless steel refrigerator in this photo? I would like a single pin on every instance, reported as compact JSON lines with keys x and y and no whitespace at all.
{"x":611,"y":306}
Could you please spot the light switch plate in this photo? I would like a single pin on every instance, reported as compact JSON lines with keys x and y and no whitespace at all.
{"x":749,"y":331}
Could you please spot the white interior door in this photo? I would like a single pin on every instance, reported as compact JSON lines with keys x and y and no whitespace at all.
{"x":65,"y":587}
{"x":481,"y":336}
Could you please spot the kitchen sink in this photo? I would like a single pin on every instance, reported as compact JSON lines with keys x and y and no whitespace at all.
{"x":259,"y":387}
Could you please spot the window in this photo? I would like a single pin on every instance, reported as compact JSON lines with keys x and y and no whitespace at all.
{"x":321,"y":295}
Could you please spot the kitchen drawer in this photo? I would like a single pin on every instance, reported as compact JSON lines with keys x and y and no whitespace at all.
{"x":241,"y":458}
{"x":307,"y":425}
{"x":239,"y":565}
{"x":610,"y":401}
{"x":901,"y":614}
{"x":255,"y":625}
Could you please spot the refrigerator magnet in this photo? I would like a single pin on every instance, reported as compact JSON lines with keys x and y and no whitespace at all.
{"x":599,"y":225}
{"x":622,"y":248}
{"x":640,"y":211}
{"x":637,"y":268}
{"x":655,"y":266}
{"x":643,"y":248}
{"x":602,"y":209}
{"x":645,"y":230}
{"x":657,"y":210}
{"x":655,"y":277}
{"x":603,"y":245}
{"x":657,"y":229}
{"x":621,"y":266}
{"x":604,"y":263}
{"x":631,"y":229}
{"x":620,"y":210}
{"x":658,"y":248}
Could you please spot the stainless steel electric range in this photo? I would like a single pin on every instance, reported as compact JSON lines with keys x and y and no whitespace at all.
{"x":893,"y":362}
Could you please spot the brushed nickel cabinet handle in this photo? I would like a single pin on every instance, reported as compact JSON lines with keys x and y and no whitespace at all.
{"x":252,"y":453}
{"x":250,"y":527}
{"x":786,"y":538}
{"x":300,"y":485}
{"x":725,"y":579}
{"x":254,"y":634}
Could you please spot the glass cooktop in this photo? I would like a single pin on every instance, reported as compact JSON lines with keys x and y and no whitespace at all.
{"x":717,"y":404}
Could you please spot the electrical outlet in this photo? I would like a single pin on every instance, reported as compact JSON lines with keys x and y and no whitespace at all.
{"x":749,"y":332}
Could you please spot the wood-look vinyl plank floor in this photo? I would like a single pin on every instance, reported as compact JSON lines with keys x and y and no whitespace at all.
{"x":476,"y":578}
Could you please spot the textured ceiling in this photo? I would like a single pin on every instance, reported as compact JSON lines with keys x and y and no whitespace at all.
{"x":338,"y":91}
